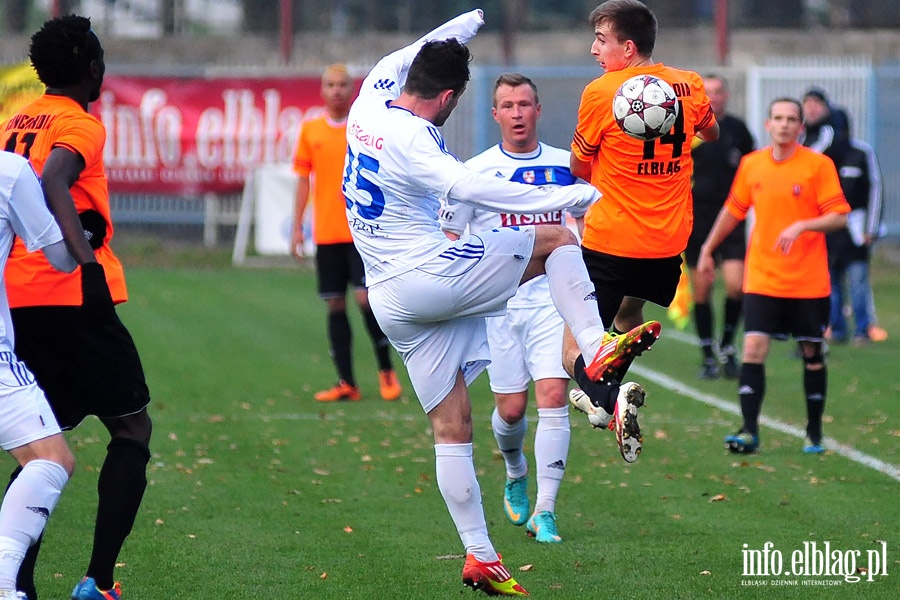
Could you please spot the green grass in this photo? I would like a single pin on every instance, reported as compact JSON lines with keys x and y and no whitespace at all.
{"x":257,"y":491}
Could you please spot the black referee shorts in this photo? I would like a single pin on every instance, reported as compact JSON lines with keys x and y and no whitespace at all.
{"x":86,"y":365}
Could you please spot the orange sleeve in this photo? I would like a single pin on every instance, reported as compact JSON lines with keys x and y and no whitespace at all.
{"x":302,"y":160}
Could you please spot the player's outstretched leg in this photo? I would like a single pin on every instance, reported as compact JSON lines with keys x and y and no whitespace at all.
{"x":615,"y":351}
{"x":491,"y":578}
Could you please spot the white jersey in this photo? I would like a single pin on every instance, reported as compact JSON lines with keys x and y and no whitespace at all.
{"x":545,"y":166}
{"x":23,"y":213}
{"x":398,"y":168}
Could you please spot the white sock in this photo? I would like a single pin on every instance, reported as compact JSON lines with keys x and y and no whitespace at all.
{"x":551,"y":449}
{"x":462,"y":495}
{"x":575,"y":298}
{"x":26,"y":507}
{"x":510,"y":439}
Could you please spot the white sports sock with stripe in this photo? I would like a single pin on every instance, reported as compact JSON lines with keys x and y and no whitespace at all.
{"x":575,"y":298}
{"x":462,"y":494}
{"x":551,"y":450}
{"x":510,"y":439}
{"x":26,"y":507}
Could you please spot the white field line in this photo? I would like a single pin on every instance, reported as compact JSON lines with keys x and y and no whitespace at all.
{"x":848,"y":452}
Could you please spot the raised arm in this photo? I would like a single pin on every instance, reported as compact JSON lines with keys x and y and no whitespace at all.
{"x":388,"y":76}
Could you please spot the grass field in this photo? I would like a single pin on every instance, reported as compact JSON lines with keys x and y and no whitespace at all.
{"x":257,"y":491}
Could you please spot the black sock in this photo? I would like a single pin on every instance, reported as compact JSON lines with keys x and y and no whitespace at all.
{"x":751,"y":391}
{"x":703,"y":321}
{"x":120,"y":489}
{"x":382,"y":345}
{"x":340,"y":337}
{"x":601,"y":394}
{"x":25,"y":578}
{"x":732,"y":320}
{"x":815,"y":385}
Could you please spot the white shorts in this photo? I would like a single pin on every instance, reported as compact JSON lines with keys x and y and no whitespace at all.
{"x":526,"y":345}
{"x":25,"y":415}
{"x":434,"y":314}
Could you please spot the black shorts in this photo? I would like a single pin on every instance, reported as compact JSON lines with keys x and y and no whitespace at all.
{"x":85,"y":365}
{"x":803,"y":318}
{"x":733,"y":247}
{"x":614,"y":277}
{"x":338,"y":266}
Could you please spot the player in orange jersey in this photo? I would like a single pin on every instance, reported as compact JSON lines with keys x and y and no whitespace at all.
{"x":94,"y":369}
{"x":320,"y":153}
{"x":634,"y":236}
{"x":796,"y":196}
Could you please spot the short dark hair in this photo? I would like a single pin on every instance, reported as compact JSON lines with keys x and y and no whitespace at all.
{"x":62,"y":50}
{"x":439,"y":65}
{"x":513,"y":80}
{"x":817,"y":93}
{"x":789,"y":100}
{"x":628,"y":20}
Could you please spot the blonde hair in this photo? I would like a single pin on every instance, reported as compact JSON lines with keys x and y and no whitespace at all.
{"x":336,"y":69}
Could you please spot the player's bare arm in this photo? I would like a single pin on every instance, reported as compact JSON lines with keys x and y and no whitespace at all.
{"x":724,"y":225}
{"x":580,"y":168}
{"x":302,"y":199}
{"x":823,"y":224}
{"x":61,"y":170}
{"x":710,"y":134}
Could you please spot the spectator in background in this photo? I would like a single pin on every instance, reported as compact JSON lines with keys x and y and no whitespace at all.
{"x":319,"y":164}
{"x":715,"y":164}
{"x":827,"y":128}
{"x":849,"y":248}
{"x":94,"y":369}
{"x":828,"y":131}
{"x":796,"y":196}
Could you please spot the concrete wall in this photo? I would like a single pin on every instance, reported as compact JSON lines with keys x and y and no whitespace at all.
{"x":691,"y":48}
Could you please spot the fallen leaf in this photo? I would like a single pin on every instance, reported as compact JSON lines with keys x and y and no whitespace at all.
{"x":718,"y":498}
{"x":323,"y":576}
{"x":348,"y":529}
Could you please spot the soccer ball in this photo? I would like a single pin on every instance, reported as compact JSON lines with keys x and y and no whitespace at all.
{"x":645,"y":107}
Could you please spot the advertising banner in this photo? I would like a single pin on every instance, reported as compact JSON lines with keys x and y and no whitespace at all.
{"x":171,"y":135}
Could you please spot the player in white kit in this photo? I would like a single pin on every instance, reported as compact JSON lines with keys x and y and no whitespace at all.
{"x":430,"y":294}
{"x":28,"y":429}
{"x":526,"y":342}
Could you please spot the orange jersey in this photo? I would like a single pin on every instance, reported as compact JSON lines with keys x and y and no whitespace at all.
{"x":646,"y":209}
{"x":321,"y":149}
{"x":804,"y":186}
{"x":59,"y":122}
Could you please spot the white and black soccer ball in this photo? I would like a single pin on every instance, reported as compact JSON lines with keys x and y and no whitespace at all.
{"x":645,"y":107}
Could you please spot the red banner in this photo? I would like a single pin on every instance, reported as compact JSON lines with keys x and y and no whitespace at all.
{"x":170,"y":135}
